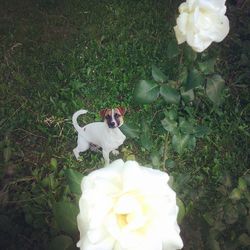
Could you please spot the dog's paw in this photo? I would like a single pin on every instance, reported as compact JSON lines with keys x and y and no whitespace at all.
{"x":77,"y":155}
{"x":115,"y":152}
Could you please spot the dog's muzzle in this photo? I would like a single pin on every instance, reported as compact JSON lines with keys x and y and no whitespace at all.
{"x":112,"y":124}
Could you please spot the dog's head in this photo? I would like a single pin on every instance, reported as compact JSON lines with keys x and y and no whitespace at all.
{"x":113,"y":117}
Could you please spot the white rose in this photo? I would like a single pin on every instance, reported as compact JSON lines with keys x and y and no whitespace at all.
{"x":201,"y":22}
{"x":128,"y":207}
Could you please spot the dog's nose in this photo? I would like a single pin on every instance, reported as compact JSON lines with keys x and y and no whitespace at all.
{"x":112,"y":124}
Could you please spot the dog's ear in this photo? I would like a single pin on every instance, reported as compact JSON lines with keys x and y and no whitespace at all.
{"x":122,"y":110}
{"x":103,"y":112}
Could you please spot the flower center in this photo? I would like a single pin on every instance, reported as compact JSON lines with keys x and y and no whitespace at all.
{"x":129,"y":211}
{"x":122,"y":220}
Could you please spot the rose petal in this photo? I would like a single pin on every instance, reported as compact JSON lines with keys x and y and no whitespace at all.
{"x":183,"y":7}
{"x":106,"y":244}
{"x":182,"y":22}
{"x":126,"y":204}
{"x":191,"y":4}
{"x":172,"y":241}
{"x":219,"y":29}
{"x":213,"y":5}
{"x":179,"y":36}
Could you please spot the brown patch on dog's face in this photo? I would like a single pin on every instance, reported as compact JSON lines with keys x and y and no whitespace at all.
{"x":118,"y":115}
{"x":121,"y":110}
{"x":103,"y":113}
{"x":113,"y":117}
{"x":107,"y":117}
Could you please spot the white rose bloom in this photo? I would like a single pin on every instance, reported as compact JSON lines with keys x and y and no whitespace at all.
{"x":128,"y":207}
{"x":201,"y":22}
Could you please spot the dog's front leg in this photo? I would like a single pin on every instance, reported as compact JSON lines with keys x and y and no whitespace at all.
{"x":106,"y":157}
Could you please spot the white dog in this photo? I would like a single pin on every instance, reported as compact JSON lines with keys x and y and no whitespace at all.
{"x":106,"y":135}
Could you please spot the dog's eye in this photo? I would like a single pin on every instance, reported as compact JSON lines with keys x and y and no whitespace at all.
{"x":107,"y":117}
{"x":117,"y":115}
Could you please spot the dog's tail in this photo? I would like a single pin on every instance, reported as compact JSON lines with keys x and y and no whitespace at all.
{"x":75,"y":116}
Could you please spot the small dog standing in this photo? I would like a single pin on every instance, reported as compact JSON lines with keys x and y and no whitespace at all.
{"x":106,"y":135}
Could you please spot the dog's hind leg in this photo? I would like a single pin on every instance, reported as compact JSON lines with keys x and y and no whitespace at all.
{"x":76,"y":152}
{"x":81,"y":147}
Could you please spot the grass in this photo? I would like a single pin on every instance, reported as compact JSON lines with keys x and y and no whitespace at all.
{"x":60,"y":56}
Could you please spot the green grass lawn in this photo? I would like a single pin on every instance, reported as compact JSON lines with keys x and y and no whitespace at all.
{"x":61,"y":56}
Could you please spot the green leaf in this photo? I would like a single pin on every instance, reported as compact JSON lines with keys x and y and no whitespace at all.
{"x":74,"y":179}
{"x":169,"y":164}
{"x":189,"y":54}
{"x":235,"y":194}
{"x":219,"y":226}
{"x":213,"y":244}
{"x":49,"y":181}
{"x":182,"y":210}
{"x":241,"y":209}
{"x":183,"y":75}
{"x":60,"y":74}
{"x":53,"y":163}
{"x":247,"y":178}
{"x":191,"y":143}
{"x":231,"y":214}
{"x":146,"y":91}
{"x":244,"y":240}
{"x":187,"y":96}
{"x":194,"y":79}
{"x":155,"y":159}
{"x":226,"y":180}
{"x":222,"y":189}
{"x":190,"y":207}
{"x":169,"y":125}
{"x":242,"y":184}
{"x":201,"y":131}
{"x":158,"y":75}
{"x":130,"y":130}
{"x":209,"y":218}
{"x":145,"y":138}
{"x":180,"y":142}
{"x":173,"y":49}
{"x":65,"y":214}
{"x":171,"y":114}
{"x":207,"y":67}
{"x":61,"y":242}
{"x":214,"y":88}
{"x":186,"y":127}
{"x":45,"y":182}
{"x":170,"y":95}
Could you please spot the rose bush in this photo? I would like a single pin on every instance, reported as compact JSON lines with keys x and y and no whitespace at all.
{"x":127,"y":206}
{"x":201,"y":22}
